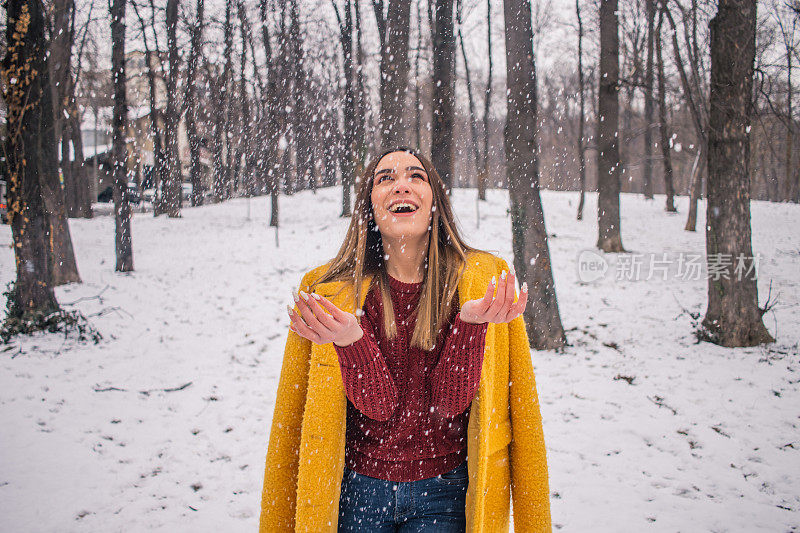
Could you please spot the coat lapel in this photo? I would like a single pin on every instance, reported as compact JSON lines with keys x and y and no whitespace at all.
{"x":322,"y":441}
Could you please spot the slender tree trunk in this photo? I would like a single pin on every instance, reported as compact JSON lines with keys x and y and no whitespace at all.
{"x":483,"y":176}
{"x":443,"y":94}
{"x":172,"y":188}
{"x":473,"y":119}
{"x":417,"y":110}
{"x":529,"y":235}
{"x":348,"y":155}
{"x":242,"y":172}
{"x":790,"y":186}
{"x":696,"y":109}
{"x":159,"y":161}
{"x":647,"y":174}
{"x":226,"y":188}
{"x":59,"y":64}
{"x":582,"y":113}
{"x":122,"y":208}
{"x":192,"y":111}
{"x":272,"y":120}
{"x":608,"y":160}
{"x":361,"y":102}
{"x":666,"y":152}
{"x":733,"y":317}
{"x":30,"y":154}
{"x":301,"y":112}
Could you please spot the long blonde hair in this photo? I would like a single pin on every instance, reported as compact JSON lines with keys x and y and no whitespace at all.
{"x":361,"y":255}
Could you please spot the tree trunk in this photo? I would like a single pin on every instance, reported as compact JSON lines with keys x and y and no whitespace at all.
{"x":394,"y":74}
{"x":697,"y":111}
{"x":647,"y":174}
{"x":272,"y":133}
{"x":483,"y":175}
{"x":666,"y":152}
{"x":59,"y":64}
{"x":159,"y":162}
{"x":608,"y":161}
{"x":733,"y":317}
{"x":226,"y":188}
{"x":473,"y":119}
{"x":301,"y":112}
{"x":348,"y":155}
{"x":30,"y":150}
{"x":122,"y":208}
{"x":192,"y":112}
{"x":362,"y":101}
{"x":172,"y":187}
{"x":529,"y":235}
{"x":443,"y":101}
{"x":582,"y":113}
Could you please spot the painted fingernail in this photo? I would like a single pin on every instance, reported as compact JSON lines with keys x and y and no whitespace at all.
{"x":316,"y":296}
{"x":525,"y":287}
{"x":289,"y":309}
{"x":494,"y":279}
{"x":296,"y":299}
{"x":503,"y":275}
{"x":304,"y":296}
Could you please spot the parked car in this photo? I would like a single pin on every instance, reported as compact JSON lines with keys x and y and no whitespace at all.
{"x":3,"y":203}
{"x":107,"y":194}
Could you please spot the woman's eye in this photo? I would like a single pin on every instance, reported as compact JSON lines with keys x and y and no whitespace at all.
{"x":420,"y":176}
{"x":380,"y":179}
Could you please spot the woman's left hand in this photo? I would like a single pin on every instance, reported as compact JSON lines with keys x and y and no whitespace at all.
{"x":496,"y":309}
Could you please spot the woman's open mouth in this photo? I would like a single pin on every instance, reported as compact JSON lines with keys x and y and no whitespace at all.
{"x":403,"y":208}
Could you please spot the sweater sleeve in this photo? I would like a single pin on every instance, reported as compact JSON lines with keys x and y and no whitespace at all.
{"x":457,"y":374}
{"x":367,"y":380}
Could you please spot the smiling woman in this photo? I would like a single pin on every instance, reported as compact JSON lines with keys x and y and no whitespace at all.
{"x":374,"y":421}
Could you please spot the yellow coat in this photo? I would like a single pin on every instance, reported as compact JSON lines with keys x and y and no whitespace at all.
{"x":506,"y":450}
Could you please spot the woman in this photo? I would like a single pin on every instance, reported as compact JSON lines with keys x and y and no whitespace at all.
{"x":413,"y":455}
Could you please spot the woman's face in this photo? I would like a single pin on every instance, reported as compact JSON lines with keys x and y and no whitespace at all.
{"x":401,"y":197}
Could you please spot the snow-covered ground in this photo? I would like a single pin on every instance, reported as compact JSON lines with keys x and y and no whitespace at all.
{"x":646,"y":430}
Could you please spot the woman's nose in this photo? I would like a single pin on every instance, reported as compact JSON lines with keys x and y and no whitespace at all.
{"x":401,"y":186}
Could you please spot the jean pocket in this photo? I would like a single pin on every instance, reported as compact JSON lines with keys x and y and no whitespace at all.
{"x":457,"y":476}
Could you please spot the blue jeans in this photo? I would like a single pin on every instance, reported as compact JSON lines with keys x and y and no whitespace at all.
{"x":435,"y":504}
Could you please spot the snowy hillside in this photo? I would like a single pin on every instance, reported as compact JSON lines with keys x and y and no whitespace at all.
{"x":164,"y":424}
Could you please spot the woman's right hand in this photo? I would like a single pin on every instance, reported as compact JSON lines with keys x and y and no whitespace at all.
{"x":312,"y":322}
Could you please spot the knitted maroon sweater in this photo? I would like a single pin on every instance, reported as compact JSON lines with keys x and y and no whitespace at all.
{"x":408,"y":409}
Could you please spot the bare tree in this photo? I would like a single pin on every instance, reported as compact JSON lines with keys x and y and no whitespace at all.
{"x":483,"y":175}
{"x":192,"y":108}
{"x":666,"y":151}
{"x":608,"y":161}
{"x":273,"y":124}
{"x":443,"y":101}
{"x":122,"y":207}
{"x":393,"y":33}
{"x":159,"y":157}
{"x":788,"y":32}
{"x":30,"y":155}
{"x":529,"y":234}
{"x":349,"y":155}
{"x":733,"y":317}
{"x":473,"y":119}
{"x":64,"y":268}
{"x":647,"y":176}
{"x":582,"y":113}
{"x":172,"y":186}
{"x":693,"y":94}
